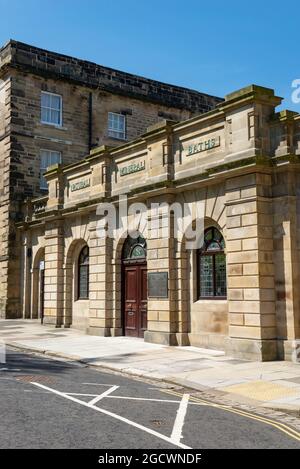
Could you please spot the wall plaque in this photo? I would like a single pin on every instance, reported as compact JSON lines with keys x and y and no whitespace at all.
{"x":158,"y":285}
{"x":132,"y":168}
{"x":204,"y":146}
{"x":76,"y":186}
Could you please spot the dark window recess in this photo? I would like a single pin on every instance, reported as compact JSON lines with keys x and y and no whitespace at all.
{"x":83,"y":274}
{"x":211,"y":261}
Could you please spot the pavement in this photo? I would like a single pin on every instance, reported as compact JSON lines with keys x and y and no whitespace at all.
{"x":273,"y":385}
{"x":51,"y":403}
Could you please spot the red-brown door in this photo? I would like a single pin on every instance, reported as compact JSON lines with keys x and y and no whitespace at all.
{"x":135,"y":299}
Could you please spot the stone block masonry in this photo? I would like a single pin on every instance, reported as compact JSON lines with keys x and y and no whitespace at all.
{"x":88,"y":92}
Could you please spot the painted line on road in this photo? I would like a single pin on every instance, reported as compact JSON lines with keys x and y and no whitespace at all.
{"x":113,"y":415}
{"x":98,"y":384}
{"x":130,"y":398}
{"x":10,"y":369}
{"x":144,"y":399}
{"x":104,"y":394}
{"x":180,"y":417}
{"x":274,"y":423}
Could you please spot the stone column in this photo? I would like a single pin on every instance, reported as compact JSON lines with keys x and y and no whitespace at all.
{"x":250,"y":268}
{"x":54,"y":273}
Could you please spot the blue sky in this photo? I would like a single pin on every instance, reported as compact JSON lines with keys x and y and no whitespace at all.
{"x":214,"y":47}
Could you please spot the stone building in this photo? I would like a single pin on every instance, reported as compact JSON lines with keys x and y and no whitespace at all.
{"x":55,"y":108}
{"x":237,"y":291}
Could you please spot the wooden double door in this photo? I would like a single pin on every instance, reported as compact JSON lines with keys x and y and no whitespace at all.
{"x":135,"y":299}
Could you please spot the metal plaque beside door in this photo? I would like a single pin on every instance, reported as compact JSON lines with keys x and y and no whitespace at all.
{"x":158,"y":285}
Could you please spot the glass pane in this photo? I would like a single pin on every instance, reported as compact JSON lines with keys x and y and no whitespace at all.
{"x":206,"y":276}
{"x":84,"y":256}
{"x":220,"y":265}
{"x":213,"y":246}
{"x":44,"y":160}
{"x":217,"y":235}
{"x":116,"y":125}
{"x":43,"y":182}
{"x":55,"y":102}
{"x":45,"y":100}
{"x":138,"y":251}
{"x":55,"y":117}
{"x":46,"y":115}
{"x":54,"y":157}
{"x":208,"y":235}
{"x":83,"y":281}
{"x":119,"y":135}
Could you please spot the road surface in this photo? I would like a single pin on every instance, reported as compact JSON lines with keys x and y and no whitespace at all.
{"x":49,"y":403}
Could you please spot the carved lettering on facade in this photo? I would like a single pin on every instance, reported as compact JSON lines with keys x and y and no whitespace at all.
{"x":76,"y":186}
{"x":132,"y":168}
{"x":204,"y":146}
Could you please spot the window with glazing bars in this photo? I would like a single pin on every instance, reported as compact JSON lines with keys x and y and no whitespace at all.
{"x":47,"y":158}
{"x":51,"y":108}
{"x":212,"y":266}
{"x":116,"y":126}
{"x":83,"y":274}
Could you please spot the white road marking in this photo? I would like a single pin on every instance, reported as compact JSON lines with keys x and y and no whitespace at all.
{"x":179,"y":421}
{"x":113,"y":415}
{"x":143,"y":399}
{"x":104,"y":394}
{"x":37,"y":392}
{"x":154,"y":400}
{"x":10,"y":369}
{"x":98,"y":384}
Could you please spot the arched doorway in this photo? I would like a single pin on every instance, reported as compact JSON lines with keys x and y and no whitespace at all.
{"x":38,"y":286}
{"x":134,"y":287}
{"x":76,"y":298}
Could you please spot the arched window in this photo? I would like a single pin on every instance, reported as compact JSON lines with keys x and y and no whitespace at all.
{"x":212,"y":266}
{"x":83,"y":274}
{"x":134,"y":249}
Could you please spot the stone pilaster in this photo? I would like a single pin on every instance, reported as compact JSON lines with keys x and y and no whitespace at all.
{"x":54,"y":273}
{"x":250,"y":267}
{"x":287,"y":264}
{"x":101,"y":317}
{"x":26,"y":274}
{"x":162,"y":312}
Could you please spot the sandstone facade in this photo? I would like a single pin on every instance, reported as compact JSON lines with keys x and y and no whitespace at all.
{"x":88,"y":92}
{"x":240,"y":162}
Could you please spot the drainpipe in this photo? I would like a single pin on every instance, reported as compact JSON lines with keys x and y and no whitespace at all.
{"x":90,"y":107}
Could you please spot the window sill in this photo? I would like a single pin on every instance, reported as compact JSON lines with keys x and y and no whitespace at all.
{"x":124,"y":140}
{"x":212,"y":299}
{"x":54,"y":126}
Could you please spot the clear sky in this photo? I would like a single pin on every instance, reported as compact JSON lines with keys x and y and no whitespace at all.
{"x":212,"y":46}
